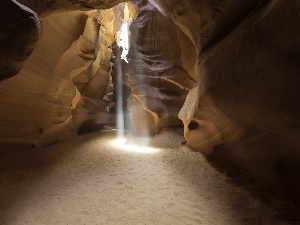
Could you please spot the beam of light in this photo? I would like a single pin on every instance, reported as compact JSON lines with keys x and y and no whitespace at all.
{"x":124,"y":40}
{"x":36,"y":17}
{"x":130,"y":147}
{"x":123,"y":35}
{"x":119,"y":100}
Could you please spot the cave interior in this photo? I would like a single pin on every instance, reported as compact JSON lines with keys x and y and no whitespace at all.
{"x":222,"y":74}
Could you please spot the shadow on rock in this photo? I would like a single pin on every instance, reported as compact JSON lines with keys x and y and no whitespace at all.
{"x":279,"y":189}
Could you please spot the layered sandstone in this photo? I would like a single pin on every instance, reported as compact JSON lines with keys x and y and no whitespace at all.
{"x":63,"y":82}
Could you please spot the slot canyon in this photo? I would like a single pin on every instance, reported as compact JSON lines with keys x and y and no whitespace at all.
{"x":150,"y":112}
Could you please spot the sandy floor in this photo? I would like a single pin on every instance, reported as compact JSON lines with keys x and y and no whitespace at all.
{"x":87,"y":180}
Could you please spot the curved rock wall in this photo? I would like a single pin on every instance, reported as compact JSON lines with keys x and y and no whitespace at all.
{"x":21,"y":27}
{"x":248,"y":80}
{"x":159,"y":74}
{"x":62,"y":83}
{"x":245,"y":107}
{"x":239,"y":60}
{"x":40,"y":95}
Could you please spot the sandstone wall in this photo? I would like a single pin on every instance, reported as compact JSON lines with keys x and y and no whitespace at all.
{"x":160,"y":72}
{"x":63,"y":82}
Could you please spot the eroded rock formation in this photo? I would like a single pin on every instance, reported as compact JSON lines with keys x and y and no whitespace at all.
{"x":247,"y":83}
{"x":225,"y":69}
{"x":63,"y":82}
{"x":159,"y":74}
